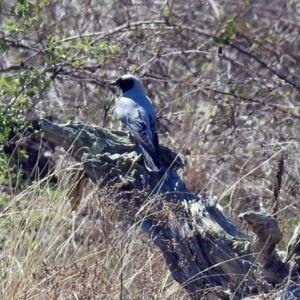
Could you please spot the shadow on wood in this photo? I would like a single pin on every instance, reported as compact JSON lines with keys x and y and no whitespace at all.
{"x":204,"y":251}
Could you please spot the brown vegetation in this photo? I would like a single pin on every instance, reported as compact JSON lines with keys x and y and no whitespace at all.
{"x":224,"y":79}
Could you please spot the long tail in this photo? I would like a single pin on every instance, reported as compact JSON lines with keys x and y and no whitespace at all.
{"x":151,"y":159}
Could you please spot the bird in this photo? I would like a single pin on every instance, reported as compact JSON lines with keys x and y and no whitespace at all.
{"x":135,"y":110}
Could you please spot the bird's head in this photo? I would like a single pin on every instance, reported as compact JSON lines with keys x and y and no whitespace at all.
{"x":128,"y":82}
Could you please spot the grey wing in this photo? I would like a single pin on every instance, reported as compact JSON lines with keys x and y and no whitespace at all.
{"x":150,"y":148}
{"x":142,"y":126}
{"x":138,"y":128}
{"x":154,"y":133}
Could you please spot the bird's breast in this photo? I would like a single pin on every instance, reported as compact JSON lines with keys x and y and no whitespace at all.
{"x":127,"y":108}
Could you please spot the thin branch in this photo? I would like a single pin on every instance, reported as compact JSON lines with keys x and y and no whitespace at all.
{"x":265,"y":65}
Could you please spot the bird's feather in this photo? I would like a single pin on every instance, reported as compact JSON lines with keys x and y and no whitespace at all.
{"x":134,"y":109}
{"x":138,"y":129}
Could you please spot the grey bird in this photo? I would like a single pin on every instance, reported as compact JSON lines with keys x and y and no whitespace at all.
{"x":135,"y":110}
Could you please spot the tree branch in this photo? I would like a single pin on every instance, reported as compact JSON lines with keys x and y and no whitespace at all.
{"x":204,"y":251}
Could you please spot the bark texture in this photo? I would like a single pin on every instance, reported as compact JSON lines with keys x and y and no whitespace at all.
{"x":205,"y":252}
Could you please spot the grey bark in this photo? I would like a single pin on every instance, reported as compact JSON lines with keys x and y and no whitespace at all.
{"x":203,"y":249}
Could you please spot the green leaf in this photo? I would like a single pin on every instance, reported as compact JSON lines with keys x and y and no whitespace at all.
{"x":223,"y":40}
{"x":3,"y":47}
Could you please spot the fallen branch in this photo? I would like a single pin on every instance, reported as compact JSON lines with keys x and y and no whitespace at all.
{"x":203,"y":250}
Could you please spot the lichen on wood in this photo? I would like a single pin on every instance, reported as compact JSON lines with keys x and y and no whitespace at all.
{"x":205,"y":252}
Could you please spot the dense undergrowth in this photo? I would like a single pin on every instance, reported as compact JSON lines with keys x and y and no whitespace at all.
{"x":224,"y":80}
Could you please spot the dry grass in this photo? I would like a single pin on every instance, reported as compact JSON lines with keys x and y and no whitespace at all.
{"x":212,"y":70}
{"x":50,"y":252}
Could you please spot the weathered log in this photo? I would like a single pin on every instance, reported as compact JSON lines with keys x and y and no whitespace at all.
{"x":204,"y":251}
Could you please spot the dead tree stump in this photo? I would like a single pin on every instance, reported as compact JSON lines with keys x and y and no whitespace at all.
{"x":203,"y":250}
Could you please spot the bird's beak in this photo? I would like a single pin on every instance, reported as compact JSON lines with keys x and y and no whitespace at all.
{"x":113,"y":83}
